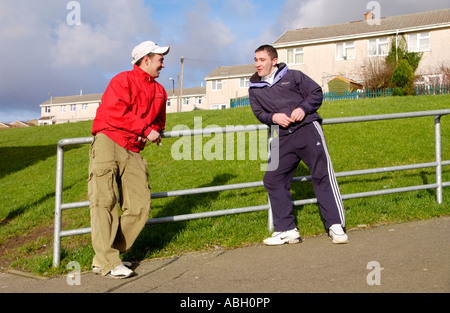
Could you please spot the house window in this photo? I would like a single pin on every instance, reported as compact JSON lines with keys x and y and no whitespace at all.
{"x":84,"y":107}
{"x":378,"y":47}
{"x":185,"y":101}
{"x":244,"y":82}
{"x":47,"y":109}
{"x":295,"y":56}
{"x":419,"y":42}
{"x":168,"y":102}
{"x":216,"y":85}
{"x":218,"y":106}
{"x":198,"y":100}
{"x":345,"y":50}
{"x":73,"y":108}
{"x":63,"y":109}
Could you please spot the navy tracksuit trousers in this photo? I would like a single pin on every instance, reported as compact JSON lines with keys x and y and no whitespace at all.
{"x":308,"y":144}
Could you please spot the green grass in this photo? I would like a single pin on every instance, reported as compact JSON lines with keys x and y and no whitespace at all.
{"x":28,"y":165}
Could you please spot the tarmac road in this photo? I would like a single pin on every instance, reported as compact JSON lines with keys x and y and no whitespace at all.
{"x":411,"y":257}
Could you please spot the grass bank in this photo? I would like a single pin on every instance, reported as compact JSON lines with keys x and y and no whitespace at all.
{"x":28,"y":165}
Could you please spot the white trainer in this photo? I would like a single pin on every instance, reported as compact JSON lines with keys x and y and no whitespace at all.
{"x":337,"y":234}
{"x":121,"y":271}
{"x":98,"y":270}
{"x":280,"y":238}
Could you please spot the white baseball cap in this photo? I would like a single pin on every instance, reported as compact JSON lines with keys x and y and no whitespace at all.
{"x":145,"y":48}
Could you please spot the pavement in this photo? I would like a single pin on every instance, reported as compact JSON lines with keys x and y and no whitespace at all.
{"x":411,"y":257}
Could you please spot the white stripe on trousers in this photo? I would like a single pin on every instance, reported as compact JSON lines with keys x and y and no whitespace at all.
{"x":332,"y":176}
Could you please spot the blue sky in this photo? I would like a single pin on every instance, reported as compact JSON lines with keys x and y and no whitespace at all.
{"x":40,"y":53}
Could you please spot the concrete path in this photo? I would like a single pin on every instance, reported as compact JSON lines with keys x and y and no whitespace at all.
{"x":408,"y":258}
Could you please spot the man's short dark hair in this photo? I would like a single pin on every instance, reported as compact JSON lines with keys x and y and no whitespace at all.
{"x":269,"y":49}
{"x":150,"y":55}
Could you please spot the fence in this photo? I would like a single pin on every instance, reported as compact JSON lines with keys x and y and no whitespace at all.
{"x":360,"y":94}
{"x":59,"y":206}
{"x":240,"y":102}
{"x":437,"y":89}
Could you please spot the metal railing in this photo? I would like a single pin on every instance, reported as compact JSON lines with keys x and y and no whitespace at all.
{"x":60,"y":206}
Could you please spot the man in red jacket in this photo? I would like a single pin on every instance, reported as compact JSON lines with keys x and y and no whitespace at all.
{"x":132,"y":112}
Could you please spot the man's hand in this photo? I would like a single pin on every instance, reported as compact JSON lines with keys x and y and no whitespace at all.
{"x":298,"y":115}
{"x":142,"y":139}
{"x":154,"y":137}
{"x":282,"y":119}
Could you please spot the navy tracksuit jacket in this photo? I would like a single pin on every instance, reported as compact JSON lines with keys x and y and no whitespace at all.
{"x":301,"y":141}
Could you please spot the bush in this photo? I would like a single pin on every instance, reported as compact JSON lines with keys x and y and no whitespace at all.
{"x":445,"y":70}
{"x":400,"y":52}
{"x":377,"y":74}
{"x":399,"y":91}
{"x":403,"y":77}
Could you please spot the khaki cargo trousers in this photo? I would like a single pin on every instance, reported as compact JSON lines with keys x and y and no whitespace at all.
{"x":116,"y":175}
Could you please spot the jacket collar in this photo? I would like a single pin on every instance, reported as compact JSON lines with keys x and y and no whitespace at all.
{"x":255,"y":80}
{"x":142,"y":74}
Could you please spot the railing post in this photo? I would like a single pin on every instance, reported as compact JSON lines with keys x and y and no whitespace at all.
{"x":437,"y":130}
{"x":59,"y":206}
{"x":58,"y":202}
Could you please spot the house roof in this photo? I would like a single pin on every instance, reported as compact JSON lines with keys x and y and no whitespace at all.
{"x":74,"y":99}
{"x":193,"y":91}
{"x":346,"y":80}
{"x":388,"y":25}
{"x":16,"y":124}
{"x":44,"y":118}
{"x":246,"y":70}
{"x":97,"y":97}
{"x":21,"y":124}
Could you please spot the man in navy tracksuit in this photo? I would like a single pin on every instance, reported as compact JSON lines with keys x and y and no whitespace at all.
{"x":290,"y":99}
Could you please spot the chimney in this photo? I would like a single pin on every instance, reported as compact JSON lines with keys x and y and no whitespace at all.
{"x":368,"y":16}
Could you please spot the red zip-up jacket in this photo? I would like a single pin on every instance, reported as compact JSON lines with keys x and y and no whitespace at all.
{"x":133,"y":104}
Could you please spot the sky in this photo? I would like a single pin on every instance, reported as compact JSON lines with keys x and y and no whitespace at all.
{"x":62,"y":47}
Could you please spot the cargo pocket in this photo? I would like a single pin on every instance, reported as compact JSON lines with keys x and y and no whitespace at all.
{"x":102,"y":187}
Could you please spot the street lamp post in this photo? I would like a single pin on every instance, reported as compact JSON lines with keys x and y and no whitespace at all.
{"x":173,"y":86}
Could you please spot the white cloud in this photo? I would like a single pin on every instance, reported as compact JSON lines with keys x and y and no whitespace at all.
{"x":83,"y":46}
{"x":106,"y":35}
{"x":205,"y":41}
{"x":203,"y":35}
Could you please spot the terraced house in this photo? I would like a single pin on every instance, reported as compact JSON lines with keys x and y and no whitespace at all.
{"x":69,"y":109}
{"x":192,"y":99}
{"x":227,"y":82}
{"x":345,"y":49}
